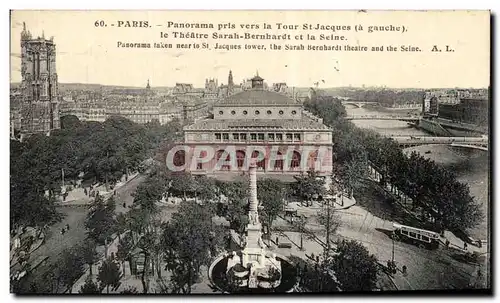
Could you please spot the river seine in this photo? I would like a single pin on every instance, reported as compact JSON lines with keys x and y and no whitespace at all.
{"x":470,"y":166}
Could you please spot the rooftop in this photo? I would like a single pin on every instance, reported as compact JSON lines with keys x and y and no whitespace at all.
{"x":257,"y":97}
{"x":305,"y":123}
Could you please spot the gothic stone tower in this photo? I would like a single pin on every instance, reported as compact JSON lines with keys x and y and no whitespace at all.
{"x":40,"y":106}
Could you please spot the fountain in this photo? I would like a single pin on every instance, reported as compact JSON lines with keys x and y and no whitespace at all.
{"x":253,"y":269}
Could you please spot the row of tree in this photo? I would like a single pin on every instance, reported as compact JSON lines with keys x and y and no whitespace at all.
{"x":93,"y":151}
{"x":444,"y":202}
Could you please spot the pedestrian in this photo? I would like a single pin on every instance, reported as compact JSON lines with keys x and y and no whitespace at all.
{"x":404,"y":270}
{"x":124,"y":204}
{"x":277,"y":241}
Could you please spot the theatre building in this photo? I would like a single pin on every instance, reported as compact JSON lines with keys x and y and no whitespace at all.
{"x":257,"y":123}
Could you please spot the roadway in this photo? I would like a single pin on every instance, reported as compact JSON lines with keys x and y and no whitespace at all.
{"x":56,"y":243}
{"x":370,"y":221}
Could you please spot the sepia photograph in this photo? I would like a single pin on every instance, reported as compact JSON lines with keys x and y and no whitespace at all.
{"x":157,"y":152}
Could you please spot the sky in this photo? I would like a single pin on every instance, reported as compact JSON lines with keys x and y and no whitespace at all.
{"x":87,"y":53}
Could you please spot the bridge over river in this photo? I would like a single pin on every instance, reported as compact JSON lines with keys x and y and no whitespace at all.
{"x":467,"y":142}
{"x":384,"y":117}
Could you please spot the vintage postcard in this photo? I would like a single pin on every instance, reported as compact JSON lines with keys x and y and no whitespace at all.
{"x":201,"y":152}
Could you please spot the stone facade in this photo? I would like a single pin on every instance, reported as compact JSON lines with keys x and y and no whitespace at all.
{"x":39,"y":108}
{"x":261,"y":124}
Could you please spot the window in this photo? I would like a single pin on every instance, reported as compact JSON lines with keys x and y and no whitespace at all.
{"x":279,"y":137}
{"x":218,"y":136}
{"x":413,"y":235}
{"x":296,"y":137}
{"x":270,"y":137}
{"x":281,"y":112}
{"x":236,"y":136}
{"x":233,"y":112}
{"x":426,"y":239}
{"x":253,"y":137}
{"x":257,"y":112}
{"x":199,"y":165}
{"x":261,"y":137}
{"x":243,"y":137}
{"x":245,"y":112}
{"x":269,"y":112}
{"x":225,"y":136}
{"x":288,"y":137}
{"x":221,"y":112}
{"x":404,"y":232}
{"x":296,"y":157}
{"x":294,"y":112}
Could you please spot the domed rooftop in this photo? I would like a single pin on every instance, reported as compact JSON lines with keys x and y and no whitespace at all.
{"x":258,"y":97}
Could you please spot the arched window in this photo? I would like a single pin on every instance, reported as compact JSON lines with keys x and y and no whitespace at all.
{"x":278,"y":164}
{"x":295,"y":160}
{"x":199,"y":164}
{"x":227,"y":156}
{"x":240,"y":158}
{"x":311,"y":161}
{"x":179,"y":158}
{"x":262,"y":163}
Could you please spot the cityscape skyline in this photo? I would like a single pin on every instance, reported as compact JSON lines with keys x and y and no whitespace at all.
{"x":91,"y":56}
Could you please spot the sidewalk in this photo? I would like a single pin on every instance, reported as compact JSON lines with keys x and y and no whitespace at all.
{"x":302,"y":209}
{"x":77,"y":197}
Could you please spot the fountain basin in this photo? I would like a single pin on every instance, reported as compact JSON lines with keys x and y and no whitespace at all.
{"x":229,"y":281}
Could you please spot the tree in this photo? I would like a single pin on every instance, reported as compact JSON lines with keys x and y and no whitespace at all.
{"x":189,"y":242}
{"x":182,"y":185}
{"x":317,"y":278}
{"x":309,"y":185}
{"x":90,"y":287}
{"x":271,"y":195}
{"x":88,"y":253}
{"x":100,"y":221}
{"x":109,"y":274}
{"x":70,"y":268}
{"x":300,"y":224}
{"x":70,"y":122}
{"x":124,"y":252}
{"x":354,"y":268}
{"x":205,"y":188}
{"x":330,"y":222}
{"x":236,"y":211}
